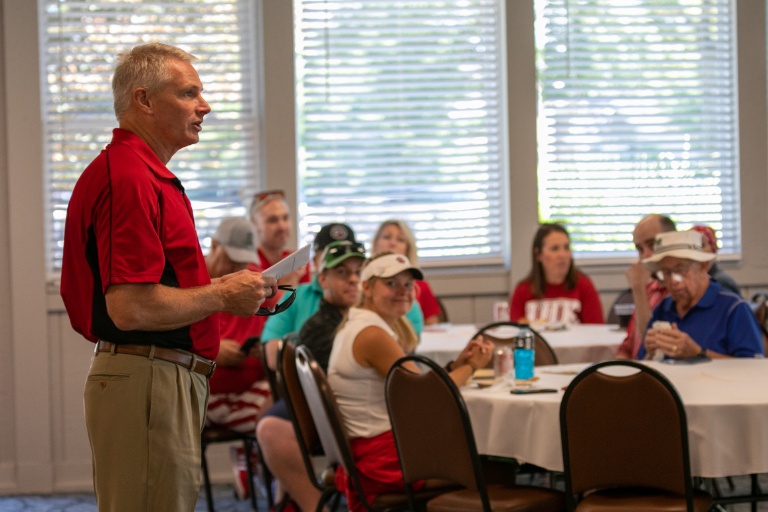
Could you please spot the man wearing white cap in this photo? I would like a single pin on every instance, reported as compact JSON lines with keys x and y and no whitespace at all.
{"x":699,"y":318}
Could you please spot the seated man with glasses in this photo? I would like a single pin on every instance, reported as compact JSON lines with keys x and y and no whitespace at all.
{"x":699,"y":318}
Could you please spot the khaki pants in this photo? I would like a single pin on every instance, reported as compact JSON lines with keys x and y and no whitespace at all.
{"x":144,"y":418}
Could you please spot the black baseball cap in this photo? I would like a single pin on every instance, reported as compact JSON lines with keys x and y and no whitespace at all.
{"x":332,"y":233}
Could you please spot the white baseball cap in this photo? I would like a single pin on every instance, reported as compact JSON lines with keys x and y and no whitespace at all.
{"x":389,"y":265}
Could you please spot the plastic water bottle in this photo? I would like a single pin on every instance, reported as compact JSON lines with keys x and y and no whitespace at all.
{"x":524,"y":355}
{"x":502,"y":362}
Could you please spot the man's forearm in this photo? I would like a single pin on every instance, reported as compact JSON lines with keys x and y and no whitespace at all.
{"x":155,"y":307}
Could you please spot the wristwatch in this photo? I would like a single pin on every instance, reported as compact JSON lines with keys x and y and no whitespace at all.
{"x":703,"y":353}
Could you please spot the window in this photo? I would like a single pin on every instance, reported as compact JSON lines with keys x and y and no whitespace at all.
{"x":79,"y":43}
{"x":637,"y":115}
{"x":400,"y":114}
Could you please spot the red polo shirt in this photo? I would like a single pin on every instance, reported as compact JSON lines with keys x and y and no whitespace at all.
{"x":240,"y":378}
{"x":129,"y":222}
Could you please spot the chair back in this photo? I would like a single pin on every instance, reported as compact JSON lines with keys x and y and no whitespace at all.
{"x":544,"y":353}
{"x":327,"y":417}
{"x":271,"y":374}
{"x":626,"y":430}
{"x":296,"y":403}
{"x":431,"y":427}
{"x":759,"y":305}
{"x":443,"y":315}
{"x":625,"y":297}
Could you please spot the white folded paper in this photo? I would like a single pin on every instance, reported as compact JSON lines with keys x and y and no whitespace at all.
{"x":293,"y":261}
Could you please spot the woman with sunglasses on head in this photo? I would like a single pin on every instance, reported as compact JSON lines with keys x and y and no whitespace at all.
{"x":395,"y":236}
{"x":374,"y":336}
{"x":555,"y":293}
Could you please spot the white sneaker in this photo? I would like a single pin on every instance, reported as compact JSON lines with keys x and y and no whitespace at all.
{"x":239,"y":472}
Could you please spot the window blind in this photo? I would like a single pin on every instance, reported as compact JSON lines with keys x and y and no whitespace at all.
{"x":637,"y":115}
{"x":79,"y":44}
{"x":400,"y":115}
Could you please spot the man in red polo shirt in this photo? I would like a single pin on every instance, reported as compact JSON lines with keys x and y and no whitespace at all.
{"x":272,"y":219}
{"x":647,"y":291}
{"x":134,"y":281}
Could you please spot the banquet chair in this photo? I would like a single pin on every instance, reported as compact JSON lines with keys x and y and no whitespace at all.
{"x":434,"y":440}
{"x":332,"y":432}
{"x":291,"y":337}
{"x":759,"y":305}
{"x":625,"y":442}
{"x":443,"y":316}
{"x":544,"y":354}
{"x":214,"y":434}
{"x":301,"y":418}
{"x":625,"y":297}
{"x":270,"y":373}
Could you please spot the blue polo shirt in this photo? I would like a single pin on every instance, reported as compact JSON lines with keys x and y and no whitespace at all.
{"x":306,"y":304}
{"x":721,"y":322}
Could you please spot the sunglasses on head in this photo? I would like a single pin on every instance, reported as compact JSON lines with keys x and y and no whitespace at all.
{"x":261,"y":196}
{"x":280,"y":307}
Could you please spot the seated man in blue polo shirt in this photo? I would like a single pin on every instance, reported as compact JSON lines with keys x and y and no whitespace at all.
{"x":699,"y":318}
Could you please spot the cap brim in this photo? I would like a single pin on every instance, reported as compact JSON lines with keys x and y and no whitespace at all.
{"x":337,"y":261}
{"x":652,"y":262}
{"x":417,"y":274}
{"x":393,"y":271}
{"x":241,"y":255}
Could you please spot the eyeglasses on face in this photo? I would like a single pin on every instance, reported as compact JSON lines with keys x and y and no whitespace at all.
{"x":280,"y":307}
{"x":677,"y":274}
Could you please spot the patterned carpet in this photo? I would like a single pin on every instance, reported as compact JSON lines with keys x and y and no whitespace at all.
{"x":223,"y":498}
{"x":225,"y":501}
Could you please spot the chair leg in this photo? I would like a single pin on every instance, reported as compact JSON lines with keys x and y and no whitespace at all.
{"x":206,"y":481}
{"x":331,"y":497}
{"x":248,"y":446}
{"x":715,"y":487}
{"x":268,"y":480}
{"x":755,"y":491}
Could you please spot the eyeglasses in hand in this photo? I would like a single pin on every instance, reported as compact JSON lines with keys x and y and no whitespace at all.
{"x":280,"y":307}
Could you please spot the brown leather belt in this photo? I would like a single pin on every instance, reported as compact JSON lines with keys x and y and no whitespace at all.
{"x":188,"y":360}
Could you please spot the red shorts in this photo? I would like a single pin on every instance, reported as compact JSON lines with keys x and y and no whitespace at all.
{"x":378,"y":468}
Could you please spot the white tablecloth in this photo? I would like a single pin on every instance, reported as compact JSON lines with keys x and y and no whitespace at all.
{"x":582,"y":343}
{"x":726,"y":402}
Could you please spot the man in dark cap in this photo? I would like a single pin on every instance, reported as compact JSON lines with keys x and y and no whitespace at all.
{"x":308,"y":295}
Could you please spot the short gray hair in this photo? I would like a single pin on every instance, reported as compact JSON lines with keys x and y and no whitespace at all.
{"x":144,"y":66}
